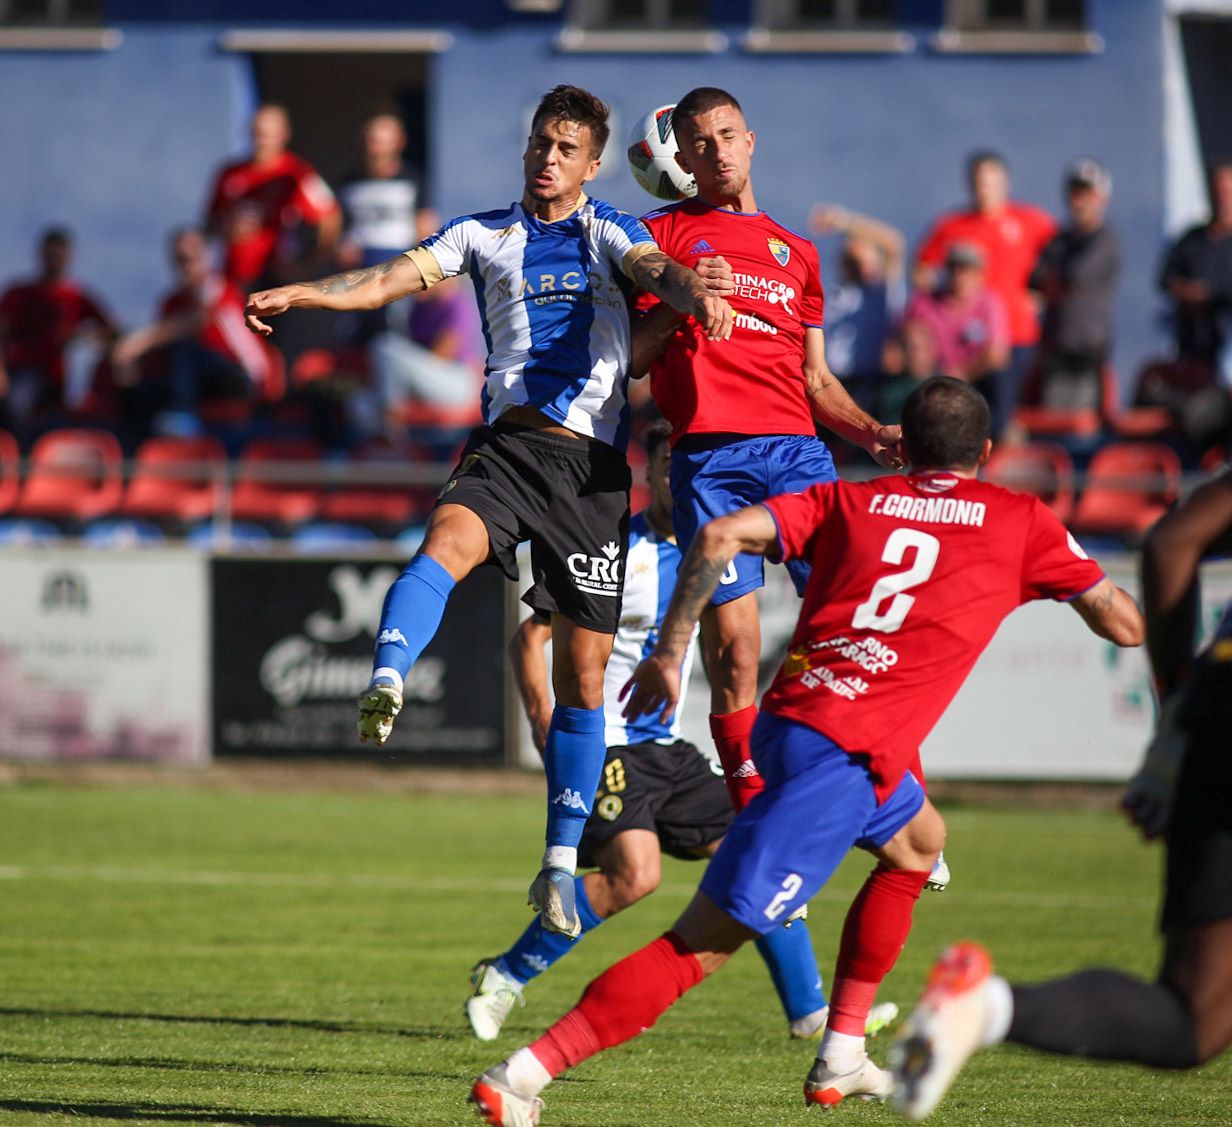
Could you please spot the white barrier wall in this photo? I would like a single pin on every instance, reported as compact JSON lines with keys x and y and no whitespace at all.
{"x":104,"y":654}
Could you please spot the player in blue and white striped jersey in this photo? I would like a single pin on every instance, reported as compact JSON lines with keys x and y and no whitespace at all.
{"x":549,"y":466}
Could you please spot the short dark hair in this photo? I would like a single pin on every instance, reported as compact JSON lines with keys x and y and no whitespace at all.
{"x":985,"y":156}
{"x":657,"y":436}
{"x":945,"y":424}
{"x":572,"y":103}
{"x":702,"y":100}
{"x":61,"y":235}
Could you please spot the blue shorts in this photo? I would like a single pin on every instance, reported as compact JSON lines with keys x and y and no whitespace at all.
{"x":708,"y":483}
{"x":818,"y":803}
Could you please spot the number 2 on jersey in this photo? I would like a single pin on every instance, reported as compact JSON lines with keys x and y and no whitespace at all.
{"x":894,"y":585}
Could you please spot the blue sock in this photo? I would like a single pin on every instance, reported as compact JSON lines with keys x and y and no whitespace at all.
{"x":573,"y":762}
{"x":788,"y":952}
{"x":412,"y":612}
{"x":536,"y":949}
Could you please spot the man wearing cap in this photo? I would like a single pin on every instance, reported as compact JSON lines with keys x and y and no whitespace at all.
{"x":1076,"y":276}
{"x":968,"y":321}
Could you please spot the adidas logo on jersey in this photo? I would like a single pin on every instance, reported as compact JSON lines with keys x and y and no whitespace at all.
{"x":701,"y":247}
{"x":570,"y":798}
{"x":394,"y":635}
{"x":746,"y":770}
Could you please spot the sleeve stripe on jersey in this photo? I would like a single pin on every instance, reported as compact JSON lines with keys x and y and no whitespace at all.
{"x":1079,"y":594}
{"x":638,"y":250}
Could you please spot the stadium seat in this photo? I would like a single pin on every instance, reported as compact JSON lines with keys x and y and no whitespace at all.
{"x":264,"y":492}
{"x":28,"y":533}
{"x":1059,"y":422}
{"x":331,"y":536}
{"x":176,"y":479}
{"x":10,"y":471}
{"x":1129,"y":486}
{"x":74,"y":475}
{"x":119,"y":533}
{"x":230,"y":537}
{"x":1042,"y":469}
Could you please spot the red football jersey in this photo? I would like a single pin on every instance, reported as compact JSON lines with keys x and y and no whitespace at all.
{"x":911,"y":578}
{"x":224,"y":331}
{"x":754,"y":382}
{"x":1011,"y":240}
{"x":263,"y":201}
{"x":40,"y":319}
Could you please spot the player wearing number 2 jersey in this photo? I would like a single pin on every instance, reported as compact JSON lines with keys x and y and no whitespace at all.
{"x":911,"y":577}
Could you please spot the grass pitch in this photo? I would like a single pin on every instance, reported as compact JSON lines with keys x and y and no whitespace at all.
{"x":187,"y":955}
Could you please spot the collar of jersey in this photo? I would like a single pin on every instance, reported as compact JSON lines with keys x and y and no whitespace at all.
{"x":548,"y":225}
{"x":729,"y":211}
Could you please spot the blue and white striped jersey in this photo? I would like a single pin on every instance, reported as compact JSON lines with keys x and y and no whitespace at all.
{"x":552,"y":299}
{"x":650,"y":579}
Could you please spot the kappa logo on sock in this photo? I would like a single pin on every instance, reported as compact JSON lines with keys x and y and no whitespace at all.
{"x":572,"y":799}
{"x":394,"y":635}
{"x":536,"y":962}
{"x":746,"y":770}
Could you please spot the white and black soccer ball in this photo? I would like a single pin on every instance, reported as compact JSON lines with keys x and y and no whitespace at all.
{"x":652,"y":157}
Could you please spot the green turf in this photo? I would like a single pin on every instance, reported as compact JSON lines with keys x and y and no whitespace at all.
{"x":181,"y":956}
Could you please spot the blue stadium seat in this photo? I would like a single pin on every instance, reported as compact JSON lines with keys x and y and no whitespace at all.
{"x":242,"y":535}
{"x":122,"y":534}
{"x":322,"y":536}
{"x":16,"y":533}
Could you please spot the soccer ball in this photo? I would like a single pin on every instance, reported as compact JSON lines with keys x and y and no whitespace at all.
{"x":652,"y":157}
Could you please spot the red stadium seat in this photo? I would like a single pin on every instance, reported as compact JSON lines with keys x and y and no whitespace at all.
{"x":10,"y":471}
{"x":1042,"y":469}
{"x":264,"y":492}
{"x":1129,"y":486}
{"x":1060,"y":422}
{"x":176,"y":479}
{"x":74,"y":475}
{"x":386,"y":507}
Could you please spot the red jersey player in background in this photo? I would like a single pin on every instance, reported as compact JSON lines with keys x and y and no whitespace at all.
{"x":911,"y":577}
{"x":258,"y":205}
{"x":744,"y":417}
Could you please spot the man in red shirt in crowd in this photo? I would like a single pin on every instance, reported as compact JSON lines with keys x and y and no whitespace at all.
{"x":37,"y":320}
{"x":259,"y":205}
{"x":911,"y":577}
{"x":744,"y":416}
{"x":1011,"y":234}
{"x":200,"y":332}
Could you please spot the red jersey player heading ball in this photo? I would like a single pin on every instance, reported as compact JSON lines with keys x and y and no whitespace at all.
{"x":744,"y":417}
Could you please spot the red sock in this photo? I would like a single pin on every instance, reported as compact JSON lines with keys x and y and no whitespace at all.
{"x":731,"y":732}
{"x":625,"y":1000}
{"x":874,"y":932}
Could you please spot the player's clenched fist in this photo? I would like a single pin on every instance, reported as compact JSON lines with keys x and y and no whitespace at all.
{"x":714,"y":315}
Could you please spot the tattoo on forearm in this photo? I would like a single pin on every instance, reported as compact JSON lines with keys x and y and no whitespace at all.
{"x":656,"y":273}
{"x":697,"y":581}
{"x":352,"y":279}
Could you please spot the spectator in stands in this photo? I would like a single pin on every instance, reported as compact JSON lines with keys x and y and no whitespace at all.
{"x":263,"y":206}
{"x":911,"y":357}
{"x":1077,"y":276}
{"x":1197,"y":275}
{"x":382,"y":203}
{"x":437,"y":363}
{"x":1011,"y":235}
{"x":868,"y":299}
{"x":197,"y":348}
{"x":39,"y":320}
{"x":968,"y":322}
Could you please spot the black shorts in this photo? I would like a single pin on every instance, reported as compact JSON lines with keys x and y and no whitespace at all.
{"x":670,"y":789}
{"x":569,"y":497}
{"x":1198,"y":885}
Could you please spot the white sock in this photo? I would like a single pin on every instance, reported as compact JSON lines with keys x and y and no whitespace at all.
{"x":999,"y":1009}
{"x":386,"y":673}
{"x":525,"y":1074}
{"x":841,"y":1052}
{"x":560,"y":857}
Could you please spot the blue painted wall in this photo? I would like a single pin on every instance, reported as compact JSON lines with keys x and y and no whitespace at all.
{"x":121,"y":145}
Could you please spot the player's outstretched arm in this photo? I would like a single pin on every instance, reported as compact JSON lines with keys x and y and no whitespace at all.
{"x":1111,"y":613}
{"x":653,"y":329}
{"x":530,"y":672}
{"x":685,"y":291}
{"x":655,"y":684}
{"x":834,"y":408}
{"x":351,"y":290}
